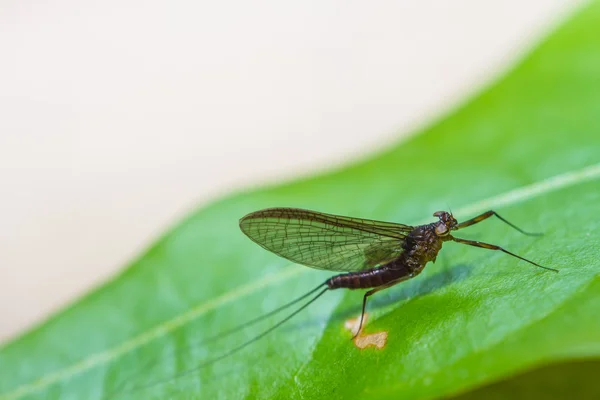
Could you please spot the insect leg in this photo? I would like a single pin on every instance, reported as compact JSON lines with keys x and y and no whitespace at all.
{"x":494,"y":247}
{"x":488,"y":214}
{"x":369,"y":293}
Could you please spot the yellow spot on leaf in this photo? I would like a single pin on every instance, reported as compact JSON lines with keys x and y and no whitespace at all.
{"x":377,"y":339}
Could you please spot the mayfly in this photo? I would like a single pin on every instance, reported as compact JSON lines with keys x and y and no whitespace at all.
{"x":370,"y":254}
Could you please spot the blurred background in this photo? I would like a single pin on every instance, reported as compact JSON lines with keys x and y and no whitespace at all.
{"x":117,"y":118}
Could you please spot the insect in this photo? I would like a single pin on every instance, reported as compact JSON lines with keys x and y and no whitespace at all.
{"x":371,"y":254}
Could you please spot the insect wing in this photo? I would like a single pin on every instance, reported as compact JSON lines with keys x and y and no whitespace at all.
{"x":325,"y":241}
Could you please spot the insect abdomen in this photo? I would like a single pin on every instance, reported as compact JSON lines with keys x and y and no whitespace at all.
{"x":366,"y":279}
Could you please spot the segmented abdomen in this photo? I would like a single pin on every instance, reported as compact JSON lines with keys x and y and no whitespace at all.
{"x":368,"y":279}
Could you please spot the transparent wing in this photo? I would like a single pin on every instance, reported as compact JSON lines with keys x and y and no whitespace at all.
{"x":325,"y":241}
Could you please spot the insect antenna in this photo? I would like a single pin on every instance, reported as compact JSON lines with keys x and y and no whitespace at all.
{"x":246,"y":343}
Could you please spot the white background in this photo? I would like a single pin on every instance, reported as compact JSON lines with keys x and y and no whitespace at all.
{"x":117,"y":117}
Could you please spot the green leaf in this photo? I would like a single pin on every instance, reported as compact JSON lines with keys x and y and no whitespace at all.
{"x":529,"y":146}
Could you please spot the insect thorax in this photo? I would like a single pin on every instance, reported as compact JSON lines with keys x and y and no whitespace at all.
{"x":421,"y":246}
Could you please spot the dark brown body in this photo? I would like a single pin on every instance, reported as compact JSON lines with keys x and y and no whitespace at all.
{"x":420,"y":246}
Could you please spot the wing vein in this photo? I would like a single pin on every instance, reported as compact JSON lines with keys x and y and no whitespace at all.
{"x":325,"y":241}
